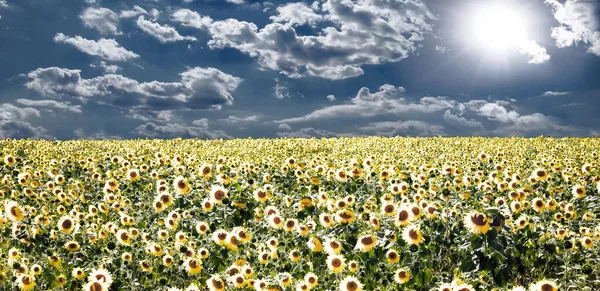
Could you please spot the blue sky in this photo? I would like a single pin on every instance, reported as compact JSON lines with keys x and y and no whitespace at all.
{"x":326,"y":68}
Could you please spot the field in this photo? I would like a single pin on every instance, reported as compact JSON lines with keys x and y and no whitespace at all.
{"x":295,"y":214}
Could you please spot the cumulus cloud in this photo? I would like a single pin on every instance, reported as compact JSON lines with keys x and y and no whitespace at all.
{"x":49,"y":104}
{"x":236,"y":119}
{"x":198,"y":128}
{"x":103,"y":20}
{"x":14,"y":124}
{"x":388,"y":112}
{"x":537,"y":54}
{"x":387,"y":101}
{"x":310,"y":132}
{"x":134,"y":12}
{"x":191,"y":18}
{"x":284,"y":126}
{"x":106,"y":68}
{"x":280,"y":90}
{"x":362,"y":32}
{"x":404,"y":128}
{"x":198,"y":88}
{"x":164,"y":33}
{"x":331,"y":97}
{"x":296,"y":14}
{"x":555,"y":93}
{"x":578,"y":23}
{"x":107,"y":49}
{"x":100,"y":135}
{"x":238,"y":2}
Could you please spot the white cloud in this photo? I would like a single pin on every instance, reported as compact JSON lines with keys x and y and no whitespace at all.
{"x":14,"y":124}
{"x":296,"y":14}
{"x":280,"y":90}
{"x":106,"y":68}
{"x":312,"y":132}
{"x":192,"y":19}
{"x":198,"y":128}
{"x":134,"y":12}
{"x":534,"y":125}
{"x":537,"y":53}
{"x":578,"y":23}
{"x":239,"y":2}
{"x":107,"y":49}
{"x":199,"y":88}
{"x":363,"y":32}
{"x":103,"y":20}
{"x":100,"y":135}
{"x":3,"y":3}
{"x":404,"y":128}
{"x":235,"y":119}
{"x":163,"y":33}
{"x":555,"y":93}
{"x":387,"y":101}
{"x":473,"y":126}
{"x":50,"y":104}
{"x":331,"y":97}
{"x":497,"y":112}
{"x":284,"y":126}
{"x":440,"y":49}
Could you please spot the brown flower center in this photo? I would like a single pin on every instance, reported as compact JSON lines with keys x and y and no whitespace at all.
{"x":367,"y":240}
{"x":336,"y":262}
{"x":413,"y":234}
{"x":351,"y":286}
{"x":479,"y":219}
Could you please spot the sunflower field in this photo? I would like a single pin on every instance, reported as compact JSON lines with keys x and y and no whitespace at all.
{"x":350,"y":214}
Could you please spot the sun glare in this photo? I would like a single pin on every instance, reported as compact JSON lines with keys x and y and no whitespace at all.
{"x":497,"y":27}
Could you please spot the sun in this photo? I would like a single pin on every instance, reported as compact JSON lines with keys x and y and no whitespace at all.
{"x":497,"y":27}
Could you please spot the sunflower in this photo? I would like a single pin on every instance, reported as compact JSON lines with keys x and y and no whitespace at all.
{"x":345,"y":216}
{"x":350,"y":283}
{"x":217,"y":194}
{"x":260,"y":195}
{"x":215,"y":283}
{"x":66,"y":224}
{"x":446,"y":287}
{"x":518,"y":288}
{"x":325,"y":220}
{"x":13,"y":210}
{"x":392,"y":256}
{"x":95,"y":286}
{"x":192,"y":287}
{"x":146,"y":266}
{"x":403,"y":217}
{"x":402,"y":276}
{"x":366,"y":242}
{"x":311,"y":280}
{"x":353,"y":266}
{"x":578,"y":191}
{"x":290,"y":224}
{"x":295,"y":255}
{"x":167,"y":260}
{"x":412,"y":235}
{"x":586,"y":242}
{"x":132,"y":175}
{"x":231,"y":241}
{"x":238,"y":281}
{"x":332,"y":246}
{"x":36,"y":269}
{"x":78,"y":273}
{"x":123,"y":237}
{"x":477,"y":222}
{"x":220,"y":237}
{"x":26,"y":282}
{"x":61,"y":280}
{"x":181,"y":185}
{"x":540,"y":174}
{"x":100,"y":275}
{"x":538,"y":204}
{"x":202,"y":227}
{"x":336,"y":263}
{"x":544,"y":285}
{"x":72,"y":246}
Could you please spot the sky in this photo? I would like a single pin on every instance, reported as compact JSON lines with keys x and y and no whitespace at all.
{"x":108,"y":69}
